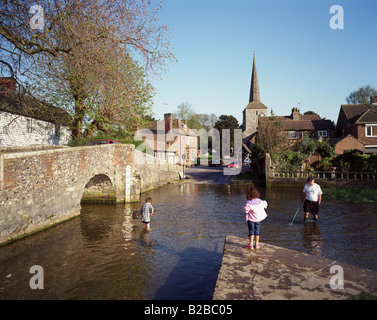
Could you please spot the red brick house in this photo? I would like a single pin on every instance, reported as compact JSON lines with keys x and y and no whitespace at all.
{"x":297,"y":125}
{"x":360,"y":122}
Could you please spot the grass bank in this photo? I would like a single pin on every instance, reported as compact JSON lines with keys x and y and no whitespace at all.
{"x":350,"y":194}
{"x":363,"y":296}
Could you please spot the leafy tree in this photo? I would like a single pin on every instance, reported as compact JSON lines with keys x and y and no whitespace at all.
{"x":207,"y":121}
{"x":307,"y":146}
{"x":227,"y":122}
{"x":272,"y":139}
{"x":361,"y":95}
{"x":186,"y":113}
{"x":274,"y":142}
{"x":84,"y":58}
{"x":355,"y":161}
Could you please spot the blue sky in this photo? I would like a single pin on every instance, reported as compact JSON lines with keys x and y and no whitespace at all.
{"x":300,"y":60}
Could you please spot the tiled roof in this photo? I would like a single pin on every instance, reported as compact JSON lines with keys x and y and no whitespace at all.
{"x":14,"y":102}
{"x":353,"y":112}
{"x":369,"y":116}
{"x":178,"y":127}
{"x":336,"y":140}
{"x":305,"y":122}
{"x":256,"y":105}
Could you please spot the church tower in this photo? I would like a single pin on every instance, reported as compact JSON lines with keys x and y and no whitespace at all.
{"x":254,"y":109}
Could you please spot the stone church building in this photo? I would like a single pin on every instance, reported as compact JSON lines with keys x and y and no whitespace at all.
{"x":253,"y":111}
{"x":296,"y":125}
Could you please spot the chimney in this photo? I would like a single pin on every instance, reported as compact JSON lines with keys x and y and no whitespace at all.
{"x":8,"y":82}
{"x":168,"y":118}
{"x":295,"y":114}
{"x":373,"y":99}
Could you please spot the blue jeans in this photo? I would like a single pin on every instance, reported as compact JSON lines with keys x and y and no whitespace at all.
{"x":253,"y":228}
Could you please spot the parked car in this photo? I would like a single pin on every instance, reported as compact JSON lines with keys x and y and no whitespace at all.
{"x":235,"y":164}
{"x":247,"y":161}
{"x":101,"y":141}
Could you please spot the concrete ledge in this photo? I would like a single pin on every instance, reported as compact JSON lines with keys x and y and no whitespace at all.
{"x":275,"y":273}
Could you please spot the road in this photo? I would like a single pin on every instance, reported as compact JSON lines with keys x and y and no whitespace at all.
{"x":205,"y":174}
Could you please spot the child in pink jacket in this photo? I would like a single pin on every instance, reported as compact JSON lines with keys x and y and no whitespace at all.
{"x":255,"y":213}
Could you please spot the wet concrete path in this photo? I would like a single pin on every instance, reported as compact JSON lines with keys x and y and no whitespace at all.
{"x":272,"y":273}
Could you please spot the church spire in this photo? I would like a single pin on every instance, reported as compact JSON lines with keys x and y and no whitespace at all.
{"x":254,"y":89}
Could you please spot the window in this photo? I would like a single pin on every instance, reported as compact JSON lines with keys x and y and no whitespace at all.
{"x":371,"y":130}
{"x":322,"y":133}
{"x":292,"y":135}
{"x":159,"y":154}
{"x":57,"y":130}
{"x":29,"y":125}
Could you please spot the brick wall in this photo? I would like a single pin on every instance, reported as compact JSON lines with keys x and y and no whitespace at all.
{"x":363,"y":138}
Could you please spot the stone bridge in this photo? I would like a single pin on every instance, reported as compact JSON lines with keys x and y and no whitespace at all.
{"x":40,"y":188}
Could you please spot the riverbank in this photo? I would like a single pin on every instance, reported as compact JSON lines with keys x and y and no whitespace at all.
{"x":342,"y":193}
{"x":351,"y":194}
{"x":275,"y":273}
{"x":105,"y":254}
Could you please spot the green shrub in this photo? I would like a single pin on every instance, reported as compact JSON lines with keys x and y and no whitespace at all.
{"x":350,"y":194}
{"x":363,"y":296}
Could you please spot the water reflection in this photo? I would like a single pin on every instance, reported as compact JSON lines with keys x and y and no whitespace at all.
{"x":105,"y":254}
{"x":312,"y":238}
{"x":127,"y":226}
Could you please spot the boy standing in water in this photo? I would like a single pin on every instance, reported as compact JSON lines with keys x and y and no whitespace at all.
{"x":146,"y":211}
{"x":311,"y":197}
{"x":255,"y":213}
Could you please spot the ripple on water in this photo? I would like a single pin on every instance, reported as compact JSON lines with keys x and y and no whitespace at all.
{"x":104,"y":254}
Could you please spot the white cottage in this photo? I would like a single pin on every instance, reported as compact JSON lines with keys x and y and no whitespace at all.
{"x":25,"y":121}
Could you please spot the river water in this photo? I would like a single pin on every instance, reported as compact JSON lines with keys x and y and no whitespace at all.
{"x":105,"y":254}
